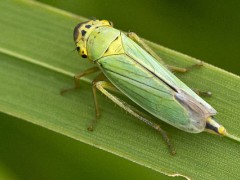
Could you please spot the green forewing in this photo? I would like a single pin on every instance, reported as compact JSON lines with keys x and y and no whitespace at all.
{"x":144,"y":89}
{"x":135,"y":51}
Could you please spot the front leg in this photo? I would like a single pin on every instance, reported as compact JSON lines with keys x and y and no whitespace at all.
{"x":77,"y":78}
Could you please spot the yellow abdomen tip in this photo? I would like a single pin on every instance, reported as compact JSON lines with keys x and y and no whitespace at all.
{"x":222,"y":130}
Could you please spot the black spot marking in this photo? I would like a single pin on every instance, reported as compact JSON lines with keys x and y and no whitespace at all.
{"x":107,"y":50}
{"x":211,"y":127}
{"x":83,"y":32}
{"x":87,"y":26}
{"x":84,"y":56}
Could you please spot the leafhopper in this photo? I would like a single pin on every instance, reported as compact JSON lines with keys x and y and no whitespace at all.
{"x":129,"y":66}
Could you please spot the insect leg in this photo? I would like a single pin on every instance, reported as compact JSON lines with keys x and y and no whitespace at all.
{"x":100,"y":77}
{"x":202,"y":93}
{"x":77,"y":78}
{"x":183,"y":70}
{"x":140,"y":42}
{"x":103,"y":86}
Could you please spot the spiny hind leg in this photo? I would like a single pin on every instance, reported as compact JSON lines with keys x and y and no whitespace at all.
{"x":139,"y":41}
{"x":77,"y":78}
{"x":103,"y":86}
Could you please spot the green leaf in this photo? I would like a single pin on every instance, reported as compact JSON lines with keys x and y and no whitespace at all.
{"x":31,"y":152}
{"x":37,"y":62}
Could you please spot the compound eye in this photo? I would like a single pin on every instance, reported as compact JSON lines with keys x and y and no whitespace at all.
{"x":78,"y":48}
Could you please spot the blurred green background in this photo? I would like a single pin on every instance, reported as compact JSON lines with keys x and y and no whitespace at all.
{"x":207,"y":30}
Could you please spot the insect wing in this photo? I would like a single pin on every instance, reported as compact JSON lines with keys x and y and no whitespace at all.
{"x":147,"y":91}
{"x":146,"y":60}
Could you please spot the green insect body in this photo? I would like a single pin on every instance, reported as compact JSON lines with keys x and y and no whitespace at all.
{"x":143,"y":79}
{"x":136,"y":72}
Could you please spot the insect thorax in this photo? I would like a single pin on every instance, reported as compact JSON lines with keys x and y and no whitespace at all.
{"x":104,"y":41}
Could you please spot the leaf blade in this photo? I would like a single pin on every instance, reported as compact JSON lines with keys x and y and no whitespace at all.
{"x":33,"y":70}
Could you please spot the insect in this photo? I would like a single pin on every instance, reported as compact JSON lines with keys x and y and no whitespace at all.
{"x":132,"y":68}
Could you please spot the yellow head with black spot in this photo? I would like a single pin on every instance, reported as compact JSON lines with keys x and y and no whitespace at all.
{"x":83,"y":30}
